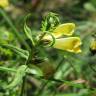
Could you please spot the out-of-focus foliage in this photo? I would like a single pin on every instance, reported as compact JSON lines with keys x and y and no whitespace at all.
{"x":64,"y":73}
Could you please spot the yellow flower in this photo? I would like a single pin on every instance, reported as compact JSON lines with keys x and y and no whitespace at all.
{"x":93,"y":44}
{"x":71,"y":44}
{"x":4,"y":3}
{"x":64,"y":29}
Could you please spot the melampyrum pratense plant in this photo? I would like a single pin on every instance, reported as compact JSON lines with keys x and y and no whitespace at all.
{"x":52,"y":34}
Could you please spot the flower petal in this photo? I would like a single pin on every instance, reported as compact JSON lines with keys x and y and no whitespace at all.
{"x":64,"y":29}
{"x":71,"y":44}
{"x":4,"y":3}
{"x":93,"y":44}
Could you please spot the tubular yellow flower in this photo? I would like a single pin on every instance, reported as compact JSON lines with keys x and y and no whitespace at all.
{"x":4,"y":3}
{"x":71,"y":44}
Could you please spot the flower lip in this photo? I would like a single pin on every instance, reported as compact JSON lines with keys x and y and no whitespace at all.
{"x":77,"y":42}
{"x":64,"y":29}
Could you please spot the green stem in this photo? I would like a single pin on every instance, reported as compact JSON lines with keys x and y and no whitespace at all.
{"x":23,"y":86}
{"x":24,"y":79}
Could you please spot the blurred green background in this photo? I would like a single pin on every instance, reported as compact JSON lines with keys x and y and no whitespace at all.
{"x":77,"y":70}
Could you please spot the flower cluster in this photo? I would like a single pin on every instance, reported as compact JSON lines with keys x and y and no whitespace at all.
{"x":70,"y":44}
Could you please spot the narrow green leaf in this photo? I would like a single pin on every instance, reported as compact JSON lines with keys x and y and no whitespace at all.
{"x":15,"y":31}
{"x":27,"y":30}
{"x":34,"y":70}
{"x":21,"y":72}
{"x":5,"y":69}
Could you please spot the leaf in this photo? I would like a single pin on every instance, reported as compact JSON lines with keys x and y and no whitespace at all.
{"x":90,"y":7}
{"x":21,"y":72}
{"x":5,"y":69}
{"x":73,"y":84}
{"x":34,"y":70}
{"x":50,"y":21}
{"x":19,"y":51}
{"x":27,"y":30}
{"x":15,"y":31}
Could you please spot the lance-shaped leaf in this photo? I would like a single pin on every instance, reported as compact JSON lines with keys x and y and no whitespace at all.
{"x":21,"y":72}
{"x":34,"y":70}
{"x":27,"y":30}
{"x":19,"y":51}
{"x":5,"y":69}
